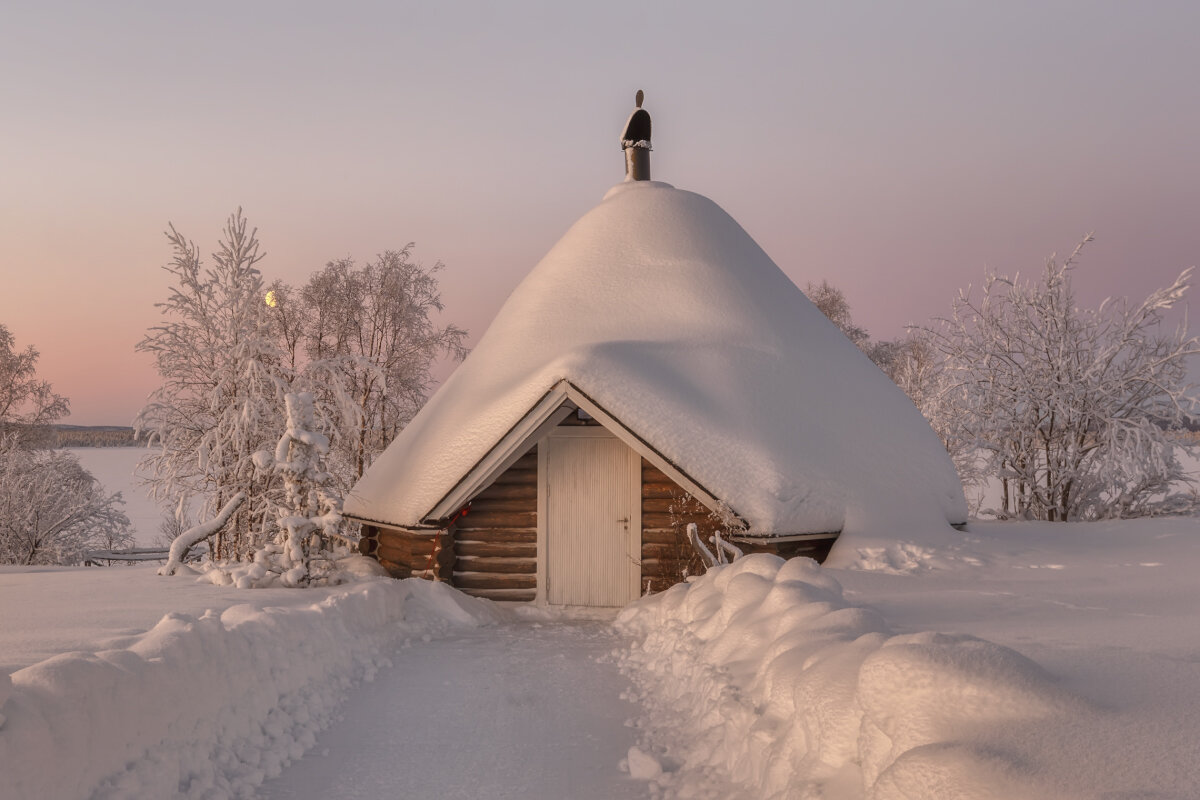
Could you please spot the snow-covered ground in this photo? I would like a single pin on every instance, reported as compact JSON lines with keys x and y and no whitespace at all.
{"x":1068,"y":665}
{"x":761,"y":680}
{"x":770,"y":681}
{"x":523,"y":710}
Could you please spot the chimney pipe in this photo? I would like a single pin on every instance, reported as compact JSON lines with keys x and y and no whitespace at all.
{"x":636,"y":143}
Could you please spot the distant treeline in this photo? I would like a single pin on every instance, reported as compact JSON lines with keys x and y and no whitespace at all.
{"x":94,"y":436}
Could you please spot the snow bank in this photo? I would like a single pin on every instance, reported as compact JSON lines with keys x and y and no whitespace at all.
{"x":760,"y":680}
{"x":207,"y":706}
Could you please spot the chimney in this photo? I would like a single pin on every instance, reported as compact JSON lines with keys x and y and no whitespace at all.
{"x":636,"y":143}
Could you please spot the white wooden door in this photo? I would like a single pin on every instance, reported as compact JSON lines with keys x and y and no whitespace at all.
{"x":593,"y":518}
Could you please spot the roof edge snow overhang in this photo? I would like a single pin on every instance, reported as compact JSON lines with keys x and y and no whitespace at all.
{"x":543,"y":417}
{"x":422,"y":529}
{"x":783,"y":537}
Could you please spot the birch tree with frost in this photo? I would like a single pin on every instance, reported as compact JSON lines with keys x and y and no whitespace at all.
{"x":52,"y":510}
{"x":360,"y":340}
{"x":28,"y":404}
{"x":374,"y":324}
{"x":1071,"y":408}
{"x":224,"y":380}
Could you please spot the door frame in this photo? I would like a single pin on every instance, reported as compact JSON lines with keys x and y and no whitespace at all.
{"x":634,"y":540}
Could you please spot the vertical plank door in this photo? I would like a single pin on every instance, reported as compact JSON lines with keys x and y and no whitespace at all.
{"x":593,"y":525}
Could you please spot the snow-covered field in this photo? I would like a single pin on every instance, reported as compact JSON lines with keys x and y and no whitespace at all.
{"x":1024,"y":660}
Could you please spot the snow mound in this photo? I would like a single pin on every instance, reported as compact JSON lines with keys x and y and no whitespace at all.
{"x":658,"y":306}
{"x":207,"y":706}
{"x":759,"y":680}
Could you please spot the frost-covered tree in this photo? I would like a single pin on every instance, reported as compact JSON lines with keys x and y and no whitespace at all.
{"x":372,"y":324}
{"x":224,"y":379}
{"x":310,"y":517}
{"x":1070,"y":408}
{"x":52,"y":510}
{"x":27,"y":403}
{"x":308,"y":541}
{"x":832,"y":302}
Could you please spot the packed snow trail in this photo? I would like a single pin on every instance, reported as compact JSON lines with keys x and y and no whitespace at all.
{"x":519,"y":710}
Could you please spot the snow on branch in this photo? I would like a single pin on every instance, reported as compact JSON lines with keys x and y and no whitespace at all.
{"x":193,"y":536}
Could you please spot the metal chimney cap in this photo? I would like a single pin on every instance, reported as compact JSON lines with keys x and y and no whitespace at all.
{"x":635,"y":141}
{"x":637,"y":127}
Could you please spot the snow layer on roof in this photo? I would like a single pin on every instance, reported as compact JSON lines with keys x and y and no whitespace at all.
{"x":661,"y":308}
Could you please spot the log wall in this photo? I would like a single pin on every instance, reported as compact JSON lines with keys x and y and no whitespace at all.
{"x":492,"y":550}
{"x":407,"y":554}
{"x":495,"y":544}
{"x":667,"y":555}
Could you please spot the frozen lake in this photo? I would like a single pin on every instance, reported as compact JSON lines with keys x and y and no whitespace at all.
{"x":113,"y":467}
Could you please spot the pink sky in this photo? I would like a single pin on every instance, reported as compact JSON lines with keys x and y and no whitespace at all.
{"x":895,"y":149}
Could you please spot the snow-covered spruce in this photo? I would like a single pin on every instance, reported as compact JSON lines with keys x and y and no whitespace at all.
{"x":309,"y":547}
{"x":310,"y":519}
{"x":210,"y":706}
{"x":758,"y":680}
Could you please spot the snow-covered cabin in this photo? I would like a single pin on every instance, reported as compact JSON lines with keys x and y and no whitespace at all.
{"x":655,"y":368}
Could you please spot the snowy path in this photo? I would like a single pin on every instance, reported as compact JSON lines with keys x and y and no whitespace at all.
{"x":512,"y":711}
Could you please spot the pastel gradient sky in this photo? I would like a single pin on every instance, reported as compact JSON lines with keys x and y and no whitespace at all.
{"x":895,"y":149}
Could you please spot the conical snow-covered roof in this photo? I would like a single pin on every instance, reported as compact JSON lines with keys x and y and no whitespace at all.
{"x":663,"y":310}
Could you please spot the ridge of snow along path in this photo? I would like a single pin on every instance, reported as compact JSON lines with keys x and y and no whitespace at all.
{"x":208,"y":706}
{"x":758,"y":680}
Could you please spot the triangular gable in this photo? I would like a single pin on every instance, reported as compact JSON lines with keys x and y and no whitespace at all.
{"x":555,"y":406}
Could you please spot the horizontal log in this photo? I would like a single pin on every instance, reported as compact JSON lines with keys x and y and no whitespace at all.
{"x":395,"y":570}
{"x":662,"y":520}
{"x":653,"y":474}
{"x":510,"y":595}
{"x":485,"y":505}
{"x":673,"y":504}
{"x":665,"y":551}
{"x":413,"y":553}
{"x":394,"y":535}
{"x":662,"y":490}
{"x":496,"y":549}
{"x":487,"y":580}
{"x":394,"y":554}
{"x":517,"y":566}
{"x":509,"y":491}
{"x":495,"y":535}
{"x":416,"y":546}
{"x":501,"y":519}
{"x":517,"y":476}
{"x":661,"y":536}
{"x":671,"y":568}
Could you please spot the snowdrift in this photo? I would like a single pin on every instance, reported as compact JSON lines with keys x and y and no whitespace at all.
{"x":207,"y":706}
{"x":760,"y":674}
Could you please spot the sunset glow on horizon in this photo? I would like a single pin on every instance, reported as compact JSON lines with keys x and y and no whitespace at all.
{"x":894,"y":150}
